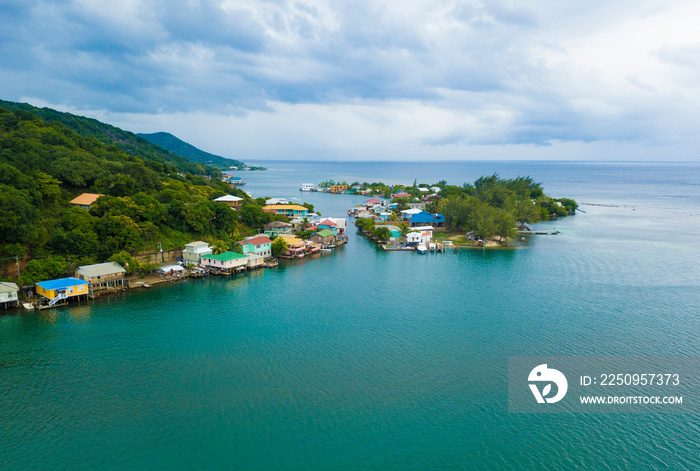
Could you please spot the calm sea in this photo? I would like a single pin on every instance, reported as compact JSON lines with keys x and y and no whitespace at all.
{"x":364,"y":359}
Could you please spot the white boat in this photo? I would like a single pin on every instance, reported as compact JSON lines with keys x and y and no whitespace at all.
{"x":326,"y":250}
{"x":421,"y":248}
{"x":28,"y":306}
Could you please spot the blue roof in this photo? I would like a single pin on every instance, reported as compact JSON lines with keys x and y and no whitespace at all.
{"x":425,"y":217}
{"x":61,"y":283}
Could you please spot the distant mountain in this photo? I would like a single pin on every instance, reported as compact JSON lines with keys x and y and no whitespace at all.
{"x":126,"y":141}
{"x":177,"y":146}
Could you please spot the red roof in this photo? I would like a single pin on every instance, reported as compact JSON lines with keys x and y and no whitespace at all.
{"x":328,"y":223}
{"x":259,"y":240}
{"x":372,"y":201}
{"x":243,"y":242}
{"x":312,"y":228}
{"x":400,"y":195}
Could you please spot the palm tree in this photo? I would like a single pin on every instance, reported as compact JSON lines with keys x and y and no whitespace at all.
{"x":220,"y":247}
{"x":404,"y":230}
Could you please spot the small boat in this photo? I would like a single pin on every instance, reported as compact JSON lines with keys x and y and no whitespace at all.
{"x":421,"y":248}
{"x":326,"y":250}
{"x":331,"y":246}
{"x":28,"y":306}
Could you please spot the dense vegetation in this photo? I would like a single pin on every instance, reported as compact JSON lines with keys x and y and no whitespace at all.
{"x":493,"y":206}
{"x":151,"y":199}
{"x":111,"y":136}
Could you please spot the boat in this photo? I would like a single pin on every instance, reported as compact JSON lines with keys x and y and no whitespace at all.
{"x":421,"y":248}
{"x":326,"y":250}
{"x":28,"y":306}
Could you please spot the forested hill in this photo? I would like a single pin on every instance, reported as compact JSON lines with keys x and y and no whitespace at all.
{"x":128,"y":142}
{"x":148,"y":202}
{"x":169,"y":142}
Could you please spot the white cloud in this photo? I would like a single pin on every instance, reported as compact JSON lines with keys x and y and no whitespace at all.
{"x":414,"y":78}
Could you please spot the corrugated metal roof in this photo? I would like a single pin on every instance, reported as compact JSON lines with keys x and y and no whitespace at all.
{"x":298,"y":207}
{"x":61,"y":283}
{"x":225,"y":257}
{"x":8,"y":287}
{"x":259,"y":240}
{"x":325,"y":233}
{"x":100,"y":269}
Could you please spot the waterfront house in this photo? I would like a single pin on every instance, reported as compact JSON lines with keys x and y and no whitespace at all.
{"x":234,"y":202}
{"x":407,"y":214}
{"x":102,"y":275}
{"x":324,"y":237}
{"x":420,"y":234}
{"x":257,"y":245}
{"x":328,"y":225}
{"x":395,"y":233}
{"x":338,"y":188}
{"x":8,"y":294}
{"x":371,"y":202}
{"x":340,"y":224}
{"x":425,"y":218}
{"x":276,"y":228}
{"x":295,"y":247}
{"x":194,"y":250}
{"x":254,"y":261}
{"x":62,"y":288}
{"x":85,"y":200}
{"x":289,"y":210}
{"x":312,"y":247}
{"x":307,"y":187}
{"x":225,"y":262}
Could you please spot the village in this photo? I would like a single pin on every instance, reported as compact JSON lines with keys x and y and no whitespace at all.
{"x":305,"y":235}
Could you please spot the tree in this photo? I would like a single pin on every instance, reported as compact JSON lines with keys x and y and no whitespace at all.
{"x":43,"y":269}
{"x":279,"y":246}
{"x":220,"y":247}
{"x":405,"y":229}
{"x":126,"y":261}
{"x":382,"y":234}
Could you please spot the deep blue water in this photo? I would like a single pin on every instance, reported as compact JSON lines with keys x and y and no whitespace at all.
{"x":371,"y":360}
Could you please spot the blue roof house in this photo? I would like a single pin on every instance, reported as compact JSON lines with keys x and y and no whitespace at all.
{"x":425,"y":218}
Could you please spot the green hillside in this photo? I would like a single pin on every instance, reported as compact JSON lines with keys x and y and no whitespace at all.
{"x":177,"y":146}
{"x":150,"y":198}
{"x":126,"y":141}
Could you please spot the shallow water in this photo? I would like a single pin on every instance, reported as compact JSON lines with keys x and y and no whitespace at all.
{"x":373,"y":360}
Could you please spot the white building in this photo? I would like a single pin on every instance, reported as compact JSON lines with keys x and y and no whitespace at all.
{"x":420,"y":234}
{"x":8,"y":294}
{"x":193,"y":251}
{"x":307,"y":187}
{"x":276,"y":201}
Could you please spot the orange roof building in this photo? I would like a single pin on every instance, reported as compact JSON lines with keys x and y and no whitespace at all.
{"x":85,"y":200}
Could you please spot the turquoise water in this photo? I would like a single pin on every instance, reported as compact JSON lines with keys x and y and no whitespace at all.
{"x":371,"y":360}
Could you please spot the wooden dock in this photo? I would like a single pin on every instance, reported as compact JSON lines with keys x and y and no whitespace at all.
{"x":553,"y":232}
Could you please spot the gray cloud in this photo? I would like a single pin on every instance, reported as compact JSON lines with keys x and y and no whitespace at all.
{"x":497,"y":72}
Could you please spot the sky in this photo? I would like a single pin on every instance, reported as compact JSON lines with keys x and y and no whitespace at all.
{"x":370,"y":80}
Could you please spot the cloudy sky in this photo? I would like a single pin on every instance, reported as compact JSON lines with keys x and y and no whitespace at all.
{"x":370,"y":80}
